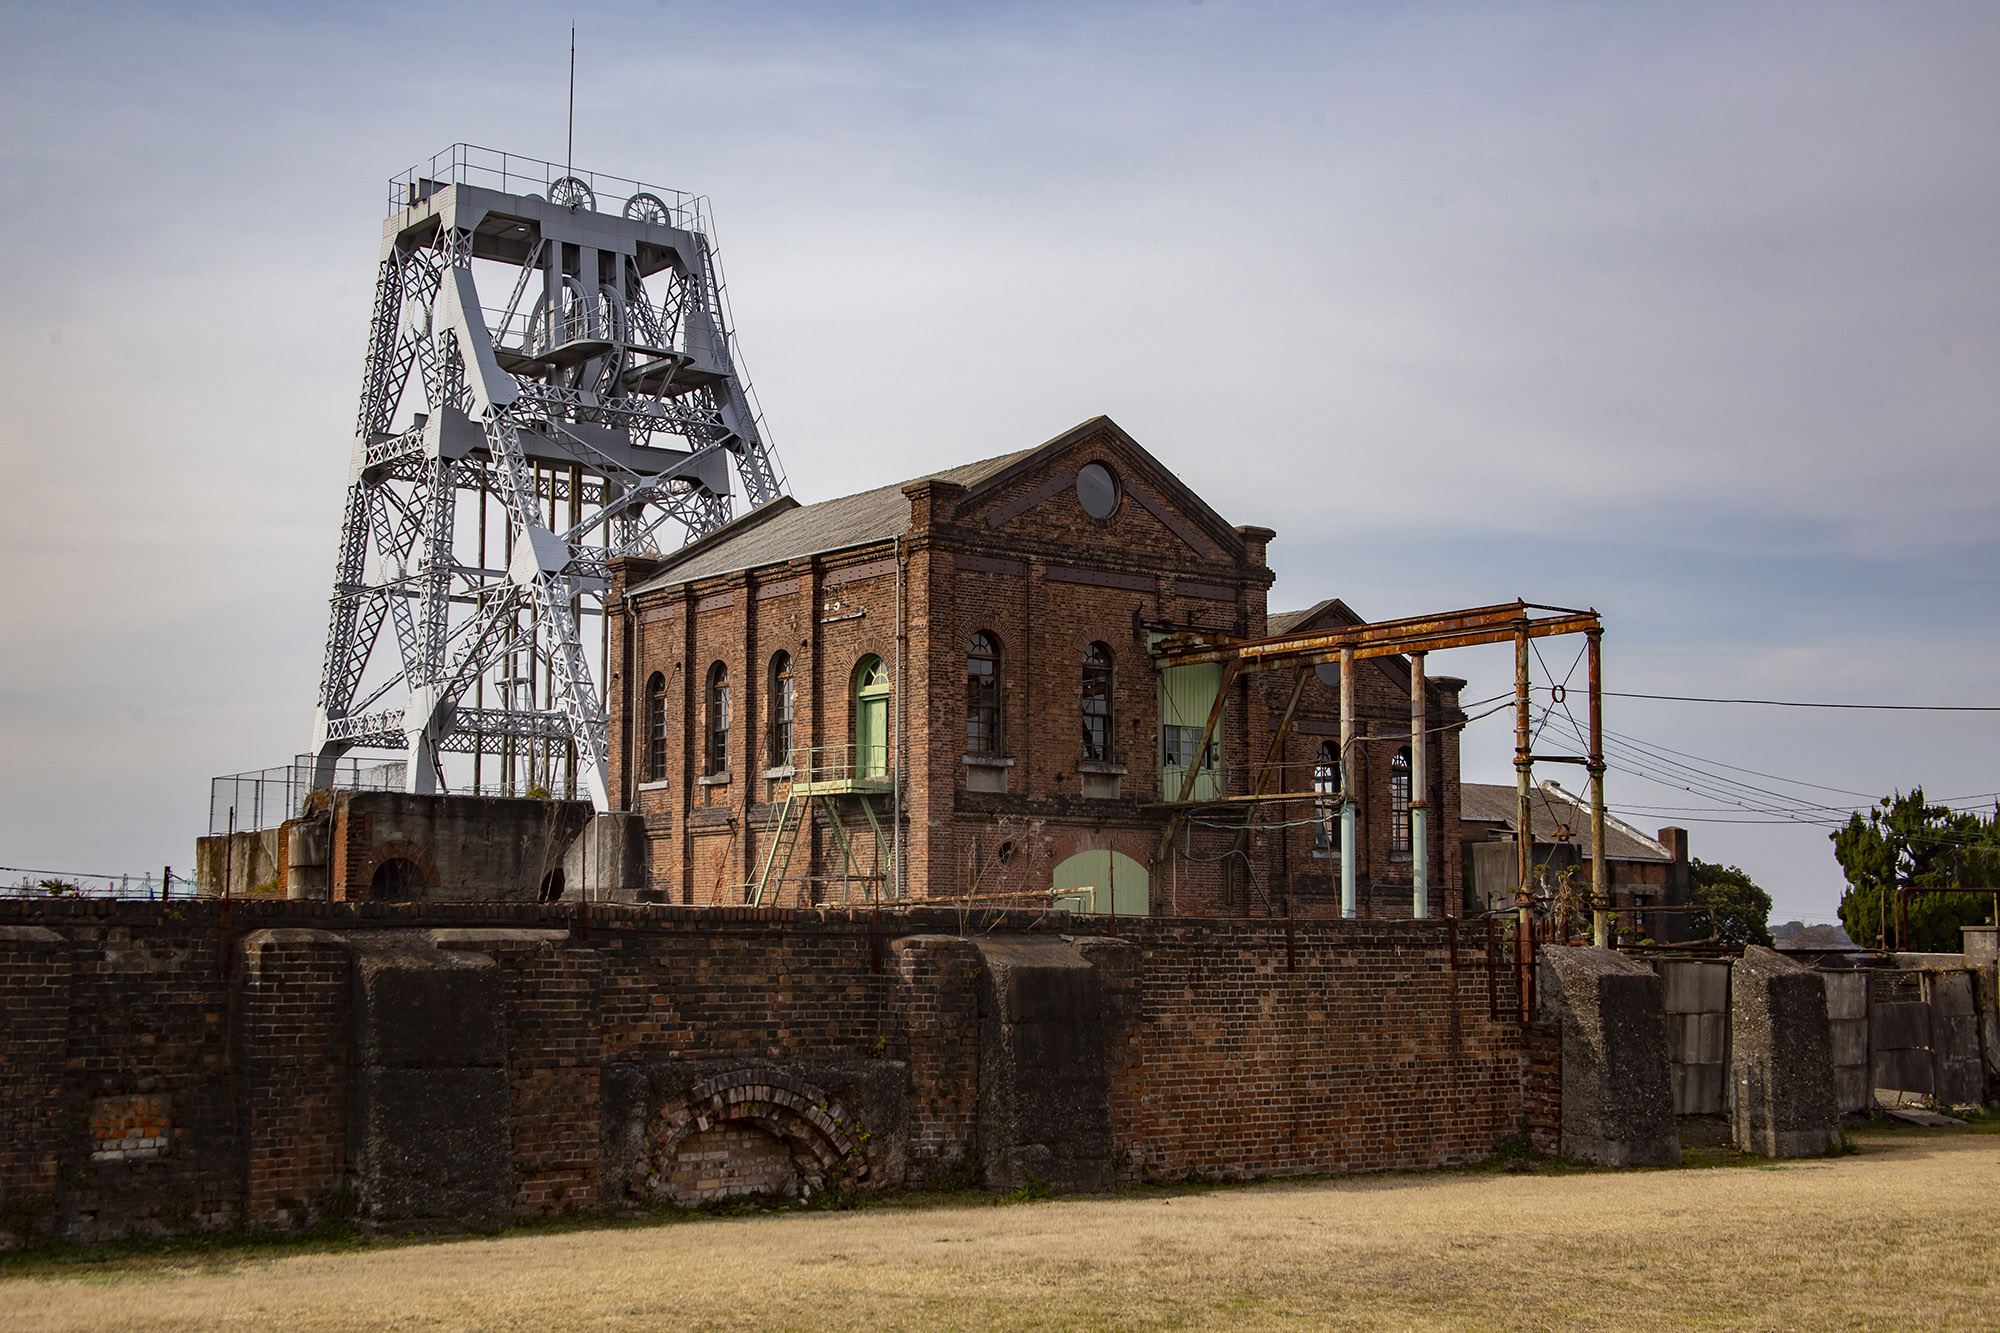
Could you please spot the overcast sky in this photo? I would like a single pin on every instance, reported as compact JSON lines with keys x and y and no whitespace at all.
{"x":1688,"y":313}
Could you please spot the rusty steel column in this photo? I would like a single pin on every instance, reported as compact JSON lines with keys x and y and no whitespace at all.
{"x":1524,"y":821}
{"x":1347,"y":894}
{"x":1420,"y":845}
{"x":1600,"y":876}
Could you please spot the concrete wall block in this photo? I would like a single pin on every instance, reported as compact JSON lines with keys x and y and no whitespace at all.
{"x":1903,"y":1025}
{"x":1707,"y":1038}
{"x":432,"y":1148}
{"x":1846,"y":995}
{"x":1905,"y":1069}
{"x":1851,"y":1089}
{"x":1951,"y":995}
{"x":1781,"y":1059}
{"x":428,"y":1008}
{"x":1617,"y":1097}
{"x":1045,"y":1093}
{"x":1702,"y":1089}
{"x":1849,"y":1037}
{"x":1695,"y":987}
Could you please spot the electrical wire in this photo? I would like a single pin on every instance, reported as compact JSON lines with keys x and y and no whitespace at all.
{"x":1796,"y":703}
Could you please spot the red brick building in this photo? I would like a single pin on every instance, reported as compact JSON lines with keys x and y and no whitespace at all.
{"x":955,"y":670}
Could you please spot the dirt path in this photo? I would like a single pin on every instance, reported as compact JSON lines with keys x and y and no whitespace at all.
{"x":1905,"y":1235}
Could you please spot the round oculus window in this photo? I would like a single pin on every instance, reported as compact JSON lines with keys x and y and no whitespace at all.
{"x":1097,"y":489}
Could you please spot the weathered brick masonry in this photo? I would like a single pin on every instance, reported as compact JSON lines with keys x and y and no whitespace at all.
{"x":697,"y":1052}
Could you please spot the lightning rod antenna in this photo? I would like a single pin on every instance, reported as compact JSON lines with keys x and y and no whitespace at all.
{"x":569,"y":147}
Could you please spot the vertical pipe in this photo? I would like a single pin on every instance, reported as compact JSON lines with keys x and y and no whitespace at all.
{"x":1600,"y":917}
{"x":479,"y":682}
{"x":1420,"y":846}
{"x":897,"y":879}
{"x":1524,"y":817}
{"x":1347,"y":783}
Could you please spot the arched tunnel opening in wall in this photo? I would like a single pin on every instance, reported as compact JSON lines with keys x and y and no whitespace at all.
{"x":751,"y":1132}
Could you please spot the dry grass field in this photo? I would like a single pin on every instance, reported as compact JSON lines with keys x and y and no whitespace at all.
{"x":1906,"y":1234}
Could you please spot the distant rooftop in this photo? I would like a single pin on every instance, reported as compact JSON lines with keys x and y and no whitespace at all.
{"x":1556,"y":809}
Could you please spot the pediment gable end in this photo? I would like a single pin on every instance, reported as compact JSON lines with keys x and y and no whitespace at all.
{"x":1149,"y":483}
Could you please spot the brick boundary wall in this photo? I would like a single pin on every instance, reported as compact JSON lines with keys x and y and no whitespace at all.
{"x":1541,"y":1087}
{"x":1234,"y":1048}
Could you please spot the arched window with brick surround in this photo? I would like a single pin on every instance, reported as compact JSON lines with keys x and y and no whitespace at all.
{"x":783,"y":703}
{"x":716,"y":705}
{"x":982,"y":695}
{"x":1399,"y":801}
{"x":656,"y":728}
{"x":1326,"y":794}
{"x":1098,"y":681}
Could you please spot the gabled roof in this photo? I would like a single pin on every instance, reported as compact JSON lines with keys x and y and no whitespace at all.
{"x":1152,"y":471}
{"x":1331,"y":609}
{"x":784,"y":529}
{"x":1491,"y":803}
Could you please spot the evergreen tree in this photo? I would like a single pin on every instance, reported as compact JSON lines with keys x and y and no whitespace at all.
{"x":1732,"y":908}
{"x":1906,"y":841}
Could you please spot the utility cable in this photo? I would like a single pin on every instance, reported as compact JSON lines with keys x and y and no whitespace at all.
{"x":1796,"y":703}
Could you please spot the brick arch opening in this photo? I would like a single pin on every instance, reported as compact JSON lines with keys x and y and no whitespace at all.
{"x":753,"y":1131}
{"x":400,"y":871}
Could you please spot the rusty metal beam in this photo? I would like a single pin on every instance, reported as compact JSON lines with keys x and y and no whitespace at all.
{"x":1388,"y":638}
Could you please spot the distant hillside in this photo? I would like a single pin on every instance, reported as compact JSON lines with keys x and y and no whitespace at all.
{"x":1798,"y":935}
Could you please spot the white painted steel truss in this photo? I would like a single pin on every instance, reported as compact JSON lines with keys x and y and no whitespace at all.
{"x":591,"y":414}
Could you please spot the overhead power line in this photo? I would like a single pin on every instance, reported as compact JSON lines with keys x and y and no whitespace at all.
{"x":1798,"y":703}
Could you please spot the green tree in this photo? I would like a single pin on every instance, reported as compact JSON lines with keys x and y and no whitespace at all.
{"x":1730,"y":906}
{"x":1904,"y":840}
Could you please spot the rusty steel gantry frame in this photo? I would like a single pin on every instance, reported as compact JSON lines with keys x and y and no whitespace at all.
{"x":1416,"y":637}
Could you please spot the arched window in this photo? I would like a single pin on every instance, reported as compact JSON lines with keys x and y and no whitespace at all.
{"x":1399,"y":801}
{"x":1097,"y":684}
{"x":717,"y":754}
{"x":871,"y":718}
{"x":982,"y":695}
{"x":784,"y":707}
{"x":1326,"y":790}
{"x":656,"y":728}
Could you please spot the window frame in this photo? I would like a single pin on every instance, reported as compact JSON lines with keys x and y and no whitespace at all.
{"x":1326,"y":809}
{"x":655,"y":767}
{"x":715,"y":710}
{"x":983,"y":715}
{"x":1102,"y":719}
{"x":782,"y":703}
{"x":1400,"y":836}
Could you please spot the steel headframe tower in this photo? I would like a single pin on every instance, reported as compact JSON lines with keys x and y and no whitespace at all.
{"x":591,"y":416}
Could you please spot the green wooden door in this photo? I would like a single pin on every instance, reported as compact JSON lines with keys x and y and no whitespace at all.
{"x":871,"y":719}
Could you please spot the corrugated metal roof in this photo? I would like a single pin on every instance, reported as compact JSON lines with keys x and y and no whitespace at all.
{"x":830,"y":525}
{"x":1553,"y":806}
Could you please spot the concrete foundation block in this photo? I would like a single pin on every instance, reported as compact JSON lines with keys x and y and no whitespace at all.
{"x":1782,"y":1059}
{"x":1044,"y":1088}
{"x":607,"y":862}
{"x":432,"y":1148}
{"x":430,"y":1127}
{"x":425,"y":1007}
{"x":1617,"y":1100}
